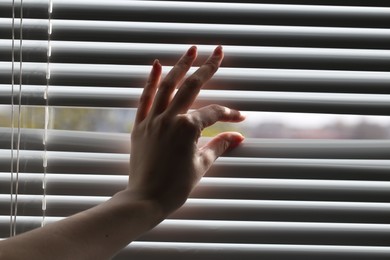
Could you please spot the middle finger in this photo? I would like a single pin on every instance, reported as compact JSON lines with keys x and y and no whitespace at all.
{"x":187,"y":93}
{"x":171,"y":80}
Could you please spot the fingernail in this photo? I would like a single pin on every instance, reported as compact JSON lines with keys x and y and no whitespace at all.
{"x":243,"y":115}
{"x":156,"y":64}
{"x":191,"y":51}
{"x":237,"y":141}
{"x":218,"y":51}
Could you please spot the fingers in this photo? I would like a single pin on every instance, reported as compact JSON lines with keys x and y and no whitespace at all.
{"x":149,"y":92}
{"x":171,"y":80}
{"x":211,"y":114}
{"x":217,"y":146}
{"x":191,"y":86}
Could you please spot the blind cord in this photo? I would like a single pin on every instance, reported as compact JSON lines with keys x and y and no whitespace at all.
{"x":12,"y":119}
{"x":47,"y":111}
{"x":19,"y":115}
{"x":15,"y":181}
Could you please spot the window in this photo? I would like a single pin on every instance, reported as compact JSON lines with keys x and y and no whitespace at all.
{"x":285,"y":193}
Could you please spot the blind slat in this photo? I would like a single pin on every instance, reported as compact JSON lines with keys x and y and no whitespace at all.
{"x":269,"y":232}
{"x":237,"y":13}
{"x":230,"y":251}
{"x":365,"y":104}
{"x":221,"y":209}
{"x":228,"y":78}
{"x":231,"y":166}
{"x":218,"y":188}
{"x":250,"y":232}
{"x":303,"y":36}
{"x":94,"y":144}
{"x":252,"y":147}
{"x":240,"y":56}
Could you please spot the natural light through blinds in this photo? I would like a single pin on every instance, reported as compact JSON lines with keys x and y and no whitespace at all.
{"x":71,"y":73}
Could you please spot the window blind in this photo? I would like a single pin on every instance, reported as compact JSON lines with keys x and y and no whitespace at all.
{"x":267,"y":199}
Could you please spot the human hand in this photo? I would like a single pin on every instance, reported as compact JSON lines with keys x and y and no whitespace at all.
{"x":166,"y":163}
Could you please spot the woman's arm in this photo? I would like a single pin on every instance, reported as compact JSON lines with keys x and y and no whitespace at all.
{"x":97,"y":233}
{"x":165,"y":166}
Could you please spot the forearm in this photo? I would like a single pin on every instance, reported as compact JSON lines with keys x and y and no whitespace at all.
{"x":97,"y":233}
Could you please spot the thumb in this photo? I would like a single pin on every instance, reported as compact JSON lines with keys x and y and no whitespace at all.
{"x":217,"y":146}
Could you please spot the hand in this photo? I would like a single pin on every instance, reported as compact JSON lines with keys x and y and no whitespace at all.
{"x":165,"y":166}
{"x":166,"y":162}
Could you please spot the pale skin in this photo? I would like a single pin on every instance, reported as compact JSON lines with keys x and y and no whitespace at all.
{"x":166,"y":164}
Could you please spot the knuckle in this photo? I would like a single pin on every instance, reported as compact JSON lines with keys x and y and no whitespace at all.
{"x":167,"y":83}
{"x":187,"y":124}
{"x":149,"y":82}
{"x":163,"y":121}
{"x":219,"y":110}
{"x":185,"y":121}
{"x":213,"y":67}
{"x":183,"y":65}
{"x":194,"y":81}
{"x":145,"y":98}
{"x":224,"y":143}
{"x":207,"y":160}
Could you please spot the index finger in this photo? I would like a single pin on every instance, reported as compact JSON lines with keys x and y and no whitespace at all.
{"x":190,"y":88}
{"x":149,"y":92}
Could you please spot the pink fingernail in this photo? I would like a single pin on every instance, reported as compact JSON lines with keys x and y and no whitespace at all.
{"x":236,"y":142}
{"x":156,"y":64}
{"x":218,"y":51}
{"x":191,"y":51}
{"x":243,"y":115}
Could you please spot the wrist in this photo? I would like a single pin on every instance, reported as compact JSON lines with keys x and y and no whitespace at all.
{"x":151,"y":211}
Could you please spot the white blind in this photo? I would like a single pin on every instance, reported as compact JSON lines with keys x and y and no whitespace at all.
{"x":267,"y":199}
